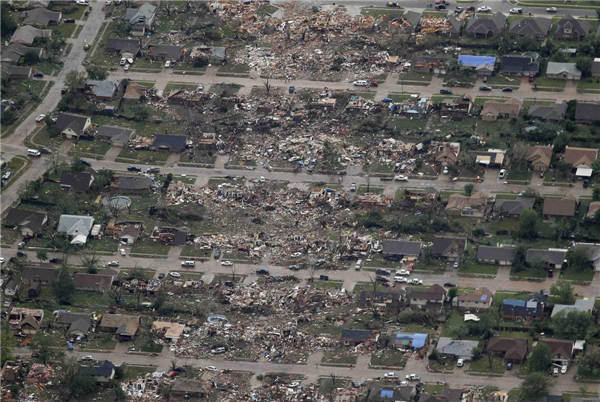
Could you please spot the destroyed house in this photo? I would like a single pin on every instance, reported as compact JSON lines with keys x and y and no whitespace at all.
{"x":444,"y":153}
{"x":452,"y":27}
{"x":101,"y":373}
{"x":41,"y":17}
{"x":539,"y":157}
{"x":355,"y":337}
{"x":511,"y":350}
{"x":429,"y":65}
{"x":449,"y":248}
{"x":43,"y":274}
{"x":134,"y":93}
{"x":132,"y":185}
{"x":537,"y":28}
{"x":462,"y":205}
{"x":189,"y":388}
{"x":522,"y":309}
{"x":496,"y":255}
{"x":391,"y":394}
{"x":124,"y":47}
{"x":78,"y":181}
{"x":486,"y":27}
{"x":553,"y":258}
{"x":118,"y":136}
{"x":29,"y":223}
{"x":164,"y":52}
{"x":124,"y":326}
{"x":513,"y":208}
{"x":456,"y":108}
{"x":560,"y":208}
{"x":429,"y":194}
{"x":571,"y":29}
{"x":409,"y":22}
{"x":169,"y":143}
{"x":39,"y":374}
{"x":388,"y":301}
{"x":410,"y":341}
{"x":140,"y":19}
{"x":398,"y":249}
{"x":19,"y":314}
{"x":13,"y":371}
{"x":431,"y":299}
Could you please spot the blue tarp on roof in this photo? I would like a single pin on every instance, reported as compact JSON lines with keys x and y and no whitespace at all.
{"x":516,"y":303}
{"x":418,"y":340}
{"x":466,"y":60}
{"x":387,"y":393}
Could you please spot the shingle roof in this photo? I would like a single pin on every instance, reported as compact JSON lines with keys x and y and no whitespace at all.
{"x":134,"y":183}
{"x":401,"y":247}
{"x":95,"y":281}
{"x":568,"y":23}
{"x":484,"y":26}
{"x":449,"y":246}
{"x":530,"y":26}
{"x":168,"y":51}
{"x":483,"y":295}
{"x":124,"y":45}
{"x":593,"y":207}
{"x":14,"y":52}
{"x":559,"y":347}
{"x":510,"y":107}
{"x":115,"y":133}
{"x":43,"y":273}
{"x":140,"y":15}
{"x":555,"y":111}
{"x":514,"y":349}
{"x":104,"y":369}
{"x":496,"y":253}
{"x":459,"y":348}
{"x":26,"y":34}
{"x":434,"y":292}
{"x":41,"y":16}
{"x":30,"y":219}
{"x":130,"y":231}
{"x":555,"y":68}
{"x":75,"y":224}
{"x":77,"y":180}
{"x":580,"y":156}
{"x":587,"y":111}
{"x":103,"y":89}
{"x":560,"y":207}
{"x":72,"y":121}
{"x":169,"y":141}
{"x":556,"y":257}
{"x":124,"y":324}
{"x":586,"y":305}
{"x":518,"y":64}
{"x":514,"y":207}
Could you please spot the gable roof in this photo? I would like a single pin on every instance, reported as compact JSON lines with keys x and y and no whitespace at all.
{"x":76,"y":180}
{"x":140,"y":15}
{"x":75,"y":224}
{"x":104,"y":369}
{"x":555,"y":68}
{"x":474,"y":61}
{"x":115,"y":133}
{"x":169,"y":141}
{"x":103,"y":89}
{"x":587,"y":111}
{"x":593,"y":207}
{"x":134,"y":183}
{"x":124,"y":324}
{"x":514,"y":349}
{"x":449,"y":246}
{"x":96,"y":281}
{"x":483,"y":295}
{"x":518,"y":64}
{"x":130,"y":231}
{"x":29,"y":219}
{"x":31,"y":321}
{"x":15,"y":51}
{"x":43,"y":273}
{"x":510,"y":107}
{"x":484,"y":26}
{"x":514,"y":207}
{"x":75,"y":122}
{"x":581,"y":27}
{"x":26,"y":34}
{"x":496,"y":253}
{"x":455,"y":25}
{"x":41,"y":16}
{"x":559,"y":347}
{"x":580,"y":156}
{"x":402,"y":247}
{"x":386,"y":393}
{"x":67,"y":317}
{"x":434,"y":292}
{"x":586,"y":305}
{"x":556,"y":256}
{"x":556,"y":111}
{"x":455,"y":347}
{"x":560,"y":207}
{"x":124,"y":45}
{"x":530,"y":27}
{"x":168,"y":51}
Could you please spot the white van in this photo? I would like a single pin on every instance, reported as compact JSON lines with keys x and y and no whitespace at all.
{"x":188,"y":264}
{"x":358,"y":265}
{"x":360,"y":83}
{"x":33,"y":152}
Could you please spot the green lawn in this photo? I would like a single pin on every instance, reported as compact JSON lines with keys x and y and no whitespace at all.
{"x":572,"y":275}
{"x":456,"y":320}
{"x":389,"y":357}
{"x":100,"y":341}
{"x":529,"y":273}
{"x":90,"y":147}
{"x":501,"y":81}
{"x":592,"y":83}
{"x":480,"y":100}
{"x":483,"y":366}
{"x":180,"y":85}
{"x":549,"y":82}
{"x":409,"y":124}
{"x":66,"y":30}
{"x":147,"y":246}
{"x":227,"y":89}
{"x":327,"y":284}
{"x":519,"y":172}
{"x":372,"y":189}
{"x":414,"y":77}
{"x":473,"y":268}
{"x":338,"y":357}
{"x":143,"y":156}
{"x":133,"y":372}
{"x":233,"y":68}
{"x":379,"y":12}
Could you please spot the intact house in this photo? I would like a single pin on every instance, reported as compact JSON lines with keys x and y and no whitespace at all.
{"x":72,"y":126}
{"x":15,"y":53}
{"x":381,"y":393}
{"x":124,"y":326}
{"x":580,"y":160}
{"x":93,"y":282}
{"x":561,"y":351}
{"x":171,"y":331}
{"x":129,"y":235}
{"x":480,"y":299}
{"x":481,"y":65}
{"x":571,"y":29}
{"x":522,"y":310}
{"x":128,"y":48}
{"x":560,"y":207}
{"x":552,"y":258}
{"x":387,"y":301}
{"x":581,"y":305}
{"x":169,"y":143}
{"x":26,"y":35}
{"x":76,"y":324}
{"x":102,"y":90}
{"x":132,"y":185}
{"x":399,"y":249}
{"x":78,"y":181}
{"x":140,"y":19}
{"x":592,"y":250}
{"x":592,"y":210}
{"x":117,"y":136}
{"x":496,"y":255}
{"x":164,"y":52}
{"x":511,"y":350}
{"x":431,"y":299}
{"x":563,"y":71}
{"x":519,"y":66}
{"x":29,"y":223}
{"x":449,"y":248}
{"x":537,"y":28}
{"x":462,"y":205}
{"x":41,"y":17}
{"x":553,"y":112}
{"x":77,"y":227}
{"x":102,"y":373}
{"x":587,"y":112}
{"x":494,"y":110}
{"x":354,"y":337}
{"x":20,"y":73}
{"x":539,"y":157}
{"x":455,"y":348}
{"x":482,"y":28}
{"x":42,"y":274}
{"x":513,"y":208}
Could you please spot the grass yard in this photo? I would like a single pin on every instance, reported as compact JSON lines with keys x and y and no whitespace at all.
{"x":480,"y":100}
{"x":232,"y":68}
{"x":326,"y":385}
{"x":473,"y":268}
{"x":133,"y":372}
{"x":327,"y":284}
{"x":527,"y":103}
{"x":90,"y":147}
{"x":338,"y":357}
{"x":454,"y":321}
{"x":364,"y":95}
{"x":592,"y":83}
{"x":501,"y":81}
{"x":549,"y":82}
{"x":147,"y":246}
{"x":528,"y":272}
{"x":265,"y":10}
{"x":100,"y":341}
{"x":66,"y":30}
{"x":143,"y":156}
{"x":180,"y":85}
{"x":571,"y":275}
{"x":227,"y":89}
{"x":439,"y":98}
{"x":483,"y":366}
{"x":519,"y":172}
{"x":414,"y":77}
{"x":433,"y":389}
{"x":362,"y":190}
{"x":409,"y":124}
{"x":388,"y":357}
{"x":379,"y":12}
{"x":399,"y":97}
{"x":191,"y":251}
{"x":69,"y":11}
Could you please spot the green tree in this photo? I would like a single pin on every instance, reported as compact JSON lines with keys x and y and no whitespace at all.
{"x":563,"y":291}
{"x":30,"y":58}
{"x":589,"y":364}
{"x":535,"y":386}
{"x":41,"y":345}
{"x":584,"y":64}
{"x":452,"y":293}
{"x":469,"y":188}
{"x":574,"y":325}
{"x":64,"y":287}
{"x":72,"y":382}
{"x":579,"y":260}
{"x":563,"y":228}
{"x":7,"y":342}
{"x":541,"y":359}
{"x":77,"y":164}
{"x":74,"y":80}
{"x":8,"y":117}
{"x":90,"y":260}
{"x":97,"y":73}
{"x":561,"y":141}
{"x":528,"y":225}
{"x":141,"y":114}
{"x":8,"y":24}
{"x":103,"y":178}
{"x":42,"y":255}
{"x":596,"y":193}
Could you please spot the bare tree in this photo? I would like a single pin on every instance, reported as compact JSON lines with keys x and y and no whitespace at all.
{"x":374,"y":283}
{"x":89,"y":259}
{"x":234,"y":270}
{"x":267,"y":87}
{"x":115,"y":296}
{"x":165,"y":390}
{"x":518,"y":153}
{"x":333,"y":378}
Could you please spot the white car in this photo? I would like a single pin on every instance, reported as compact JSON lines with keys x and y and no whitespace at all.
{"x":360,"y":83}
{"x":83,"y":3}
{"x":168,"y":64}
{"x":400,"y":279}
{"x":391,"y":375}
{"x":113,"y":264}
{"x":108,"y":2}
{"x":460,"y":363}
{"x":262,"y":179}
{"x":200,"y":87}
{"x":551,"y":10}
{"x":126,"y":68}
{"x":403,"y":383}
{"x":484,"y":9}
{"x":401,"y":178}
{"x":446,"y":171}
{"x":413,"y":377}
{"x":211,"y":368}
{"x":175,"y":274}
{"x":6,"y":175}
{"x":123,"y":252}
{"x":227,"y":263}
{"x":415,"y":281}
{"x":1,"y":260}
{"x":403,"y":272}
{"x":563,"y":370}
{"x":123,"y":61}
{"x":40,"y":118}
{"x":516,"y":10}
{"x":296,"y":255}
{"x":502,"y":174}
{"x":87,"y":358}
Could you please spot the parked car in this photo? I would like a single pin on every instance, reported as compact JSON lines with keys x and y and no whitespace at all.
{"x":217,"y":254}
{"x":294,"y":267}
{"x":153,"y":170}
{"x":83,"y":3}
{"x":211,"y":368}
{"x":188,"y":264}
{"x":21,"y":254}
{"x":455,"y":265}
{"x":227,"y":263}
{"x":123,"y":252}
{"x":360,"y":83}
{"x":502,"y":174}
{"x":55,"y":260}
{"x":551,"y":10}
{"x":446,"y":170}
{"x":87,"y":358}
{"x":38,"y":75}
{"x":415,"y":281}
{"x":401,"y":178}
{"x":168,"y":64}
{"x":403,"y":272}
{"x":382,"y":271}
{"x":262,"y":271}
{"x":445,"y":92}
{"x":175,"y":274}
{"x":563,"y":370}
{"x":86,"y":163}
{"x":458,"y":9}
{"x":403,"y":383}
{"x":6,"y":175}
{"x":127,"y":67}
{"x":450,"y":285}
{"x":516,"y":10}
{"x":40,"y":118}
{"x":586,"y":183}
{"x":507,"y":89}
{"x":485,"y":88}
{"x":324,"y":277}
{"x":353,"y":187}
{"x":161,"y":275}
{"x":509,"y":366}
{"x":45,"y":151}
{"x":113,"y":264}
{"x":484,"y":9}
{"x":292,"y":89}
{"x":471,"y":8}
{"x":460,"y":363}
{"x":400,"y":279}
{"x":134,"y":169}
{"x":392,"y":4}
{"x":382,"y":279}
{"x":391,"y":376}
{"x":413,"y":377}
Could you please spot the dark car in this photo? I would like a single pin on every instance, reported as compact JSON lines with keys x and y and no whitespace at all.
{"x":262,"y":272}
{"x":86,"y":163}
{"x":55,"y":260}
{"x":382,"y":279}
{"x":586,"y":183}
{"x":450,"y":285}
{"x":507,"y":89}
{"x":45,"y":151}
{"x":471,"y":8}
{"x":229,"y":284}
{"x":440,"y":7}
{"x":294,"y":267}
{"x":445,"y":92}
{"x":69,"y":20}
{"x":134,"y":169}
{"x":292,"y":89}
{"x":550,"y":273}
{"x":161,"y":275}
{"x":323,"y":277}
{"x":39,"y":75}
{"x":217,"y":253}
{"x":485,"y":88}
{"x":21,"y":254}
{"x":374,"y":84}
{"x":382,"y":271}
{"x":509,"y":366}
{"x":154,"y":170}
